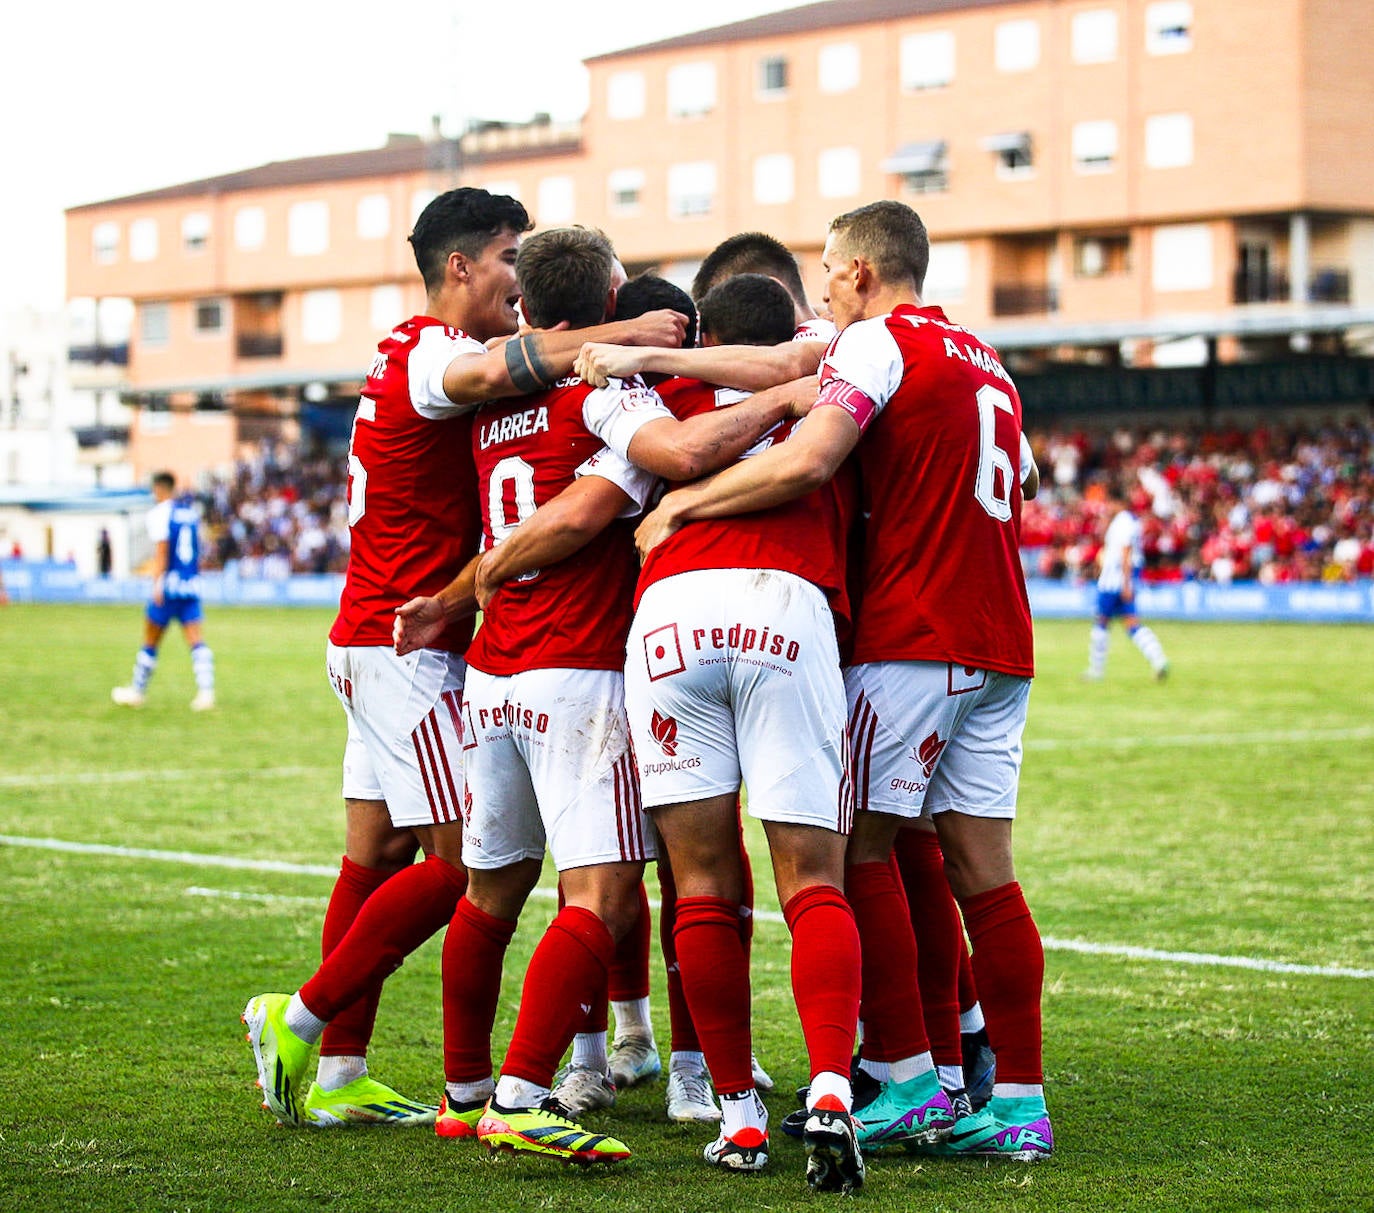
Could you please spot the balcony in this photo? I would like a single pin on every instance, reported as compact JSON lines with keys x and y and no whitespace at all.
{"x":259,"y":345}
{"x":1024,"y":300}
{"x":100,"y":354}
{"x":1272,"y":286}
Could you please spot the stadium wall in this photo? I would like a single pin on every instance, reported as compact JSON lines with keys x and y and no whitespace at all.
{"x":52,"y":581}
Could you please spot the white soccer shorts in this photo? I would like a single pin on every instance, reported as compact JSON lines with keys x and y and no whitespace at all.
{"x":927,"y":737}
{"x":547,"y":754}
{"x":405,"y":738}
{"x":732,"y":676}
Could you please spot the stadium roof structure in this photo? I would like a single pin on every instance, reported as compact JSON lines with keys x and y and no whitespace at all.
{"x":802,"y":20}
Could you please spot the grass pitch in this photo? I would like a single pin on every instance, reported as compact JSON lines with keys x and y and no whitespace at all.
{"x":1198,"y":854}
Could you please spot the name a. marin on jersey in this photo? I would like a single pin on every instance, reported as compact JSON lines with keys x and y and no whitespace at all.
{"x":513,"y":425}
{"x":980,"y":358}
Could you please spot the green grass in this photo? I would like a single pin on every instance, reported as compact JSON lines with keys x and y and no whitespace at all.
{"x":1227,"y":811}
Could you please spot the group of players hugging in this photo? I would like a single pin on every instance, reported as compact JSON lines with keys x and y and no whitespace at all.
{"x":822,"y":622}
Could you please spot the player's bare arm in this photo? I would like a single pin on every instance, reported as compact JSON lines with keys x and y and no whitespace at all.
{"x":555,"y":531}
{"x":535,"y":360}
{"x":684,"y":450}
{"x":421,"y":621}
{"x":750,"y":368}
{"x":808,"y":459}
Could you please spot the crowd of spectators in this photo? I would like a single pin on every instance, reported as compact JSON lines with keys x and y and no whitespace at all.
{"x":1276,"y":502}
{"x":280,"y":512}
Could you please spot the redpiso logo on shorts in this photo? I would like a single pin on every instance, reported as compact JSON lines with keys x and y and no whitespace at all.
{"x":663,"y":729}
{"x":928,"y":753}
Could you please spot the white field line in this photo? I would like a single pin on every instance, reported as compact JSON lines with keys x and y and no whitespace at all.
{"x":772,"y":916}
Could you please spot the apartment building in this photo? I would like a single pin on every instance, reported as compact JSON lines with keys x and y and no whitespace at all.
{"x":1107,"y":183}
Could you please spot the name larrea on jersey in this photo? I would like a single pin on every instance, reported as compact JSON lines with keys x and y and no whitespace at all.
{"x":513,"y":425}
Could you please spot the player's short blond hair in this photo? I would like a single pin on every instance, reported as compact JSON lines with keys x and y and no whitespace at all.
{"x":890,"y":236}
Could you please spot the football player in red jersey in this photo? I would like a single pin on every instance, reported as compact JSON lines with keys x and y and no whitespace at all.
{"x":546,"y":743}
{"x":942,"y":660}
{"x":732,"y":675}
{"x":414,"y":526}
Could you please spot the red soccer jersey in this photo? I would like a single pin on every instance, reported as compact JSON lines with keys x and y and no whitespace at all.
{"x":942,"y":576}
{"x":412,"y":494}
{"x":576,"y":613}
{"x":805,"y":536}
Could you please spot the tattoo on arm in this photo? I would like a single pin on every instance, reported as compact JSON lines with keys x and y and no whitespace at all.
{"x":528,"y":370}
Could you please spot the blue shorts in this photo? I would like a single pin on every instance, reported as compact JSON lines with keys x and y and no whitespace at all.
{"x":1111,"y":605}
{"x":183,"y":610}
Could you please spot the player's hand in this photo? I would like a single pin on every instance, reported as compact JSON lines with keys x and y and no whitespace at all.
{"x":418,"y":624}
{"x":659,"y":523}
{"x":663,"y":327}
{"x":598,"y":363}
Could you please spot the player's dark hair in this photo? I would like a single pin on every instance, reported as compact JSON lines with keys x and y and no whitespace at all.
{"x":890,"y":237}
{"x":648,"y":293}
{"x":750,"y":253}
{"x":748,"y":309}
{"x":465,"y":221}
{"x":565,"y":274}
{"x":165,"y":480}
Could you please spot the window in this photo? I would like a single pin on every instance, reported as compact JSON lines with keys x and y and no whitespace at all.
{"x":772,"y":76}
{"x":143,"y":239}
{"x":321,"y":317}
{"x":773,"y":179}
{"x":1168,"y":140}
{"x":556,"y":200}
{"x":1013,"y":152}
{"x":1099,"y":256}
{"x":838,"y":67}
{"x":250,"y":228}
{"x":105,"y":243}
{"x":1169,"y":27}
{"x":839,"y":172}
{"x":374,"y":217}
{"x":921,"y":166}
{"x":1016,"y":46}
{"x":927,"y":60}
{"x":1094,"y":36}
{"x":691,"y":189}
{"x":1094,"y":146}
{"x":1182,"y":257}
{"x":154,"y":324}
{"x":948,"y":273}
{"x":209,"y":316}
{"x":307,"y":228}
{"x":385,"y":306}
{"x":691,"y":90}
{"x":625,"y":95}
{"x":195,"y":232}
{"x":626,"y":189}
